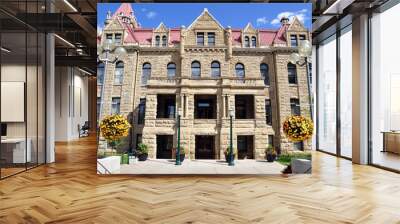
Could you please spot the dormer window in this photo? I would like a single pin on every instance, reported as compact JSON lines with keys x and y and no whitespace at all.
{"x":118,"y":38}
{"x":253,"y":41}
{"x":164,"y":41}
{"x":200,"y":39}
{"x":246,"y":41}
{"x":211,"y":39}
{"x":293,"y":40}
{"x":109,"y":36}
{"x":157,"y":41}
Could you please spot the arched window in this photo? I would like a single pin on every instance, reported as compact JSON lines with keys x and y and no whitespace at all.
{"x":171,"y":70}
{"x":292,"y":73}
{"x":239,"y":68}
{"x":119,"y":73}
{"x":100,"y":74}
{"x":264,"y":73}
{"x":157,"y":41}
{"x":253,"y":41}
{"x":215,"y":69}
{"x":246,"y":41}
{"x":164,"y":41}
{"x":196,"y":69}
{"x":146,"y":72}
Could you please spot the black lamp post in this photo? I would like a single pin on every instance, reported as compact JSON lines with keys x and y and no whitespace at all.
{"x":301,"y":59}
{"x":231,"y":156}
{"x":178,"y":148}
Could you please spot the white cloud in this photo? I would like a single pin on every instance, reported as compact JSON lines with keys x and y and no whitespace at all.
{"x":261,"y":21}
{"x":301,"y":15}
{"x":151,"y":14}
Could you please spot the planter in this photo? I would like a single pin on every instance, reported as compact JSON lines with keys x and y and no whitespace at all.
{"x":143,"y":157}
{"x":182,"y":157}
{"x":270,"y":158}
{"x":109,"y":164}
{"x":228,"y":159}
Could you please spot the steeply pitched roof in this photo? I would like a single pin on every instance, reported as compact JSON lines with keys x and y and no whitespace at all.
{"x":125,"y":9}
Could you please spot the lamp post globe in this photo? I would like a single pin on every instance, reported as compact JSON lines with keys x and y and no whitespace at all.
{"x":294,"y":58}
{"x":108,"y":45}
{"x":305,"y":48}
{"x":120,"y":51}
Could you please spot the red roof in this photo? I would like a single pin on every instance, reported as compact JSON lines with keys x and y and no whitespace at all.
{"x":125,"y":9}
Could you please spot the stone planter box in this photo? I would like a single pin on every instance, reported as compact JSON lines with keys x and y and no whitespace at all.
{"x":112,"y":164}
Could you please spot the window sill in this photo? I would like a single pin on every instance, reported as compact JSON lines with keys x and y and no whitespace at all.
{"x":293,"y":85}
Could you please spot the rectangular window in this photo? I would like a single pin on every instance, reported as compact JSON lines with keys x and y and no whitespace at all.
{"x":211,"y":39}
{"x":109,"y":36}
{"x":293,"y":40}
{"x":205,"y":107}
{"x":292,"y":73}
{"x":268,"y":112}
{"x":244,"y":106}
{"x":115,"y":105}
{"x":302,"y":37}
{"x":142,"y":111}
{"x":166,"y":106}
{"x":200,"y":39}
{"x":295,"y":106}
{"x":271,"y":140}
{"x":118,"y":37}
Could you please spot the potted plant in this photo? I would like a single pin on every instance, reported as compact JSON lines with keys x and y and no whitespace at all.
{"x":113,"y":128}
{"x":142,"y":152}
{"x":270,"y":154}
{"x":227,"y":154}
{"x":182,"y":153}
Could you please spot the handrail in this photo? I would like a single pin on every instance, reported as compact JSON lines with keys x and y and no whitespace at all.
{"x":105,"y":169}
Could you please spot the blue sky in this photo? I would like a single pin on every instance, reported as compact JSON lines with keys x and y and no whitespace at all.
{"x":236,"y":15}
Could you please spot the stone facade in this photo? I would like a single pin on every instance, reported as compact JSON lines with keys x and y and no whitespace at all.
{"x":182,"y":49}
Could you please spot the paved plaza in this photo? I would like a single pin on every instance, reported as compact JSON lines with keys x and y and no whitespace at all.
{"x":167,"y":166}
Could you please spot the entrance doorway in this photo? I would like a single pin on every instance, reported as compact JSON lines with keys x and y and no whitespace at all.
{"x":245,"y":144}
{"x":205,"y":147}
{"x":165,"y":143}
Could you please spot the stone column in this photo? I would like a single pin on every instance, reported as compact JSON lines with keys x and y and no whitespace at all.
{"x":182,"y":42}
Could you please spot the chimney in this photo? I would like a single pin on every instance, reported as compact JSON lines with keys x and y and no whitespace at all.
{"x":284,"y":20}
{"x":229,"y":40}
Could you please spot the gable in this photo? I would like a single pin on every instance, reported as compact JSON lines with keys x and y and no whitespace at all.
{"x":249,"y":29}
{"x":296,"y":25}
{"x":161,"y":28}
{"x":205,"y":21}
{"x":114,"y":25}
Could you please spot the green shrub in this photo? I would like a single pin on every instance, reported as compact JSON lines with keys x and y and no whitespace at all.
{"x":142,"y":149}
{"x":286,"y":158}
{"x":124,"y":159}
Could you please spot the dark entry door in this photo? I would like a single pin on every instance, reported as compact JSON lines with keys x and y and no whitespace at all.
{"x":164,"y":146}
{"x":205,"y":146}
{"x":245,"y":147}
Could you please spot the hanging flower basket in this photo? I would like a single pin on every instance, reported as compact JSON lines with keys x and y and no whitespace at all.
{"x":298,"y":128}
{"x":114,"y":127}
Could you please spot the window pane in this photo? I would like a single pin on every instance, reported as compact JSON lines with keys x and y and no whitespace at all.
{"x":293,"y":40}
{"x":200,"y":39}
{"x":295,"y":106}
{"x":119,"y":73}
{"x":327,"y":97}
{"x":115,"y":105}
{"x":215,"y":69}
{"x":118,"y":38}
{"x":346,"y":93}
{"x":164,"y":41}
{"x":239,"y":70}
{"x":142,"y":111}
{"x":268,"y":112}
{"x":292,"y":73}
{"x":196,"y":70}
{"x":146,"y":72}
{"x":264,"y":73}
{"x":385,"y":88}
{"x":171,"y":69}
{"x":211,"y":39}
{"x":253,"y":42}
{"x":246,"y":42}
{"x":157,"y":41}
{"x":100,"y":74}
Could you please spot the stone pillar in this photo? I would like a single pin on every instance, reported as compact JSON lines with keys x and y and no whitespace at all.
{"x":182,"y":42}
{"x":229,"y":41}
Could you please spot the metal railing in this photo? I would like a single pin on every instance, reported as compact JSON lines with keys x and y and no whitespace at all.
{"x":106,"y":171}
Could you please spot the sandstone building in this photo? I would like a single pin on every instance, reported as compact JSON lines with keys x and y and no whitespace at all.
{"x":204,"y":70}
